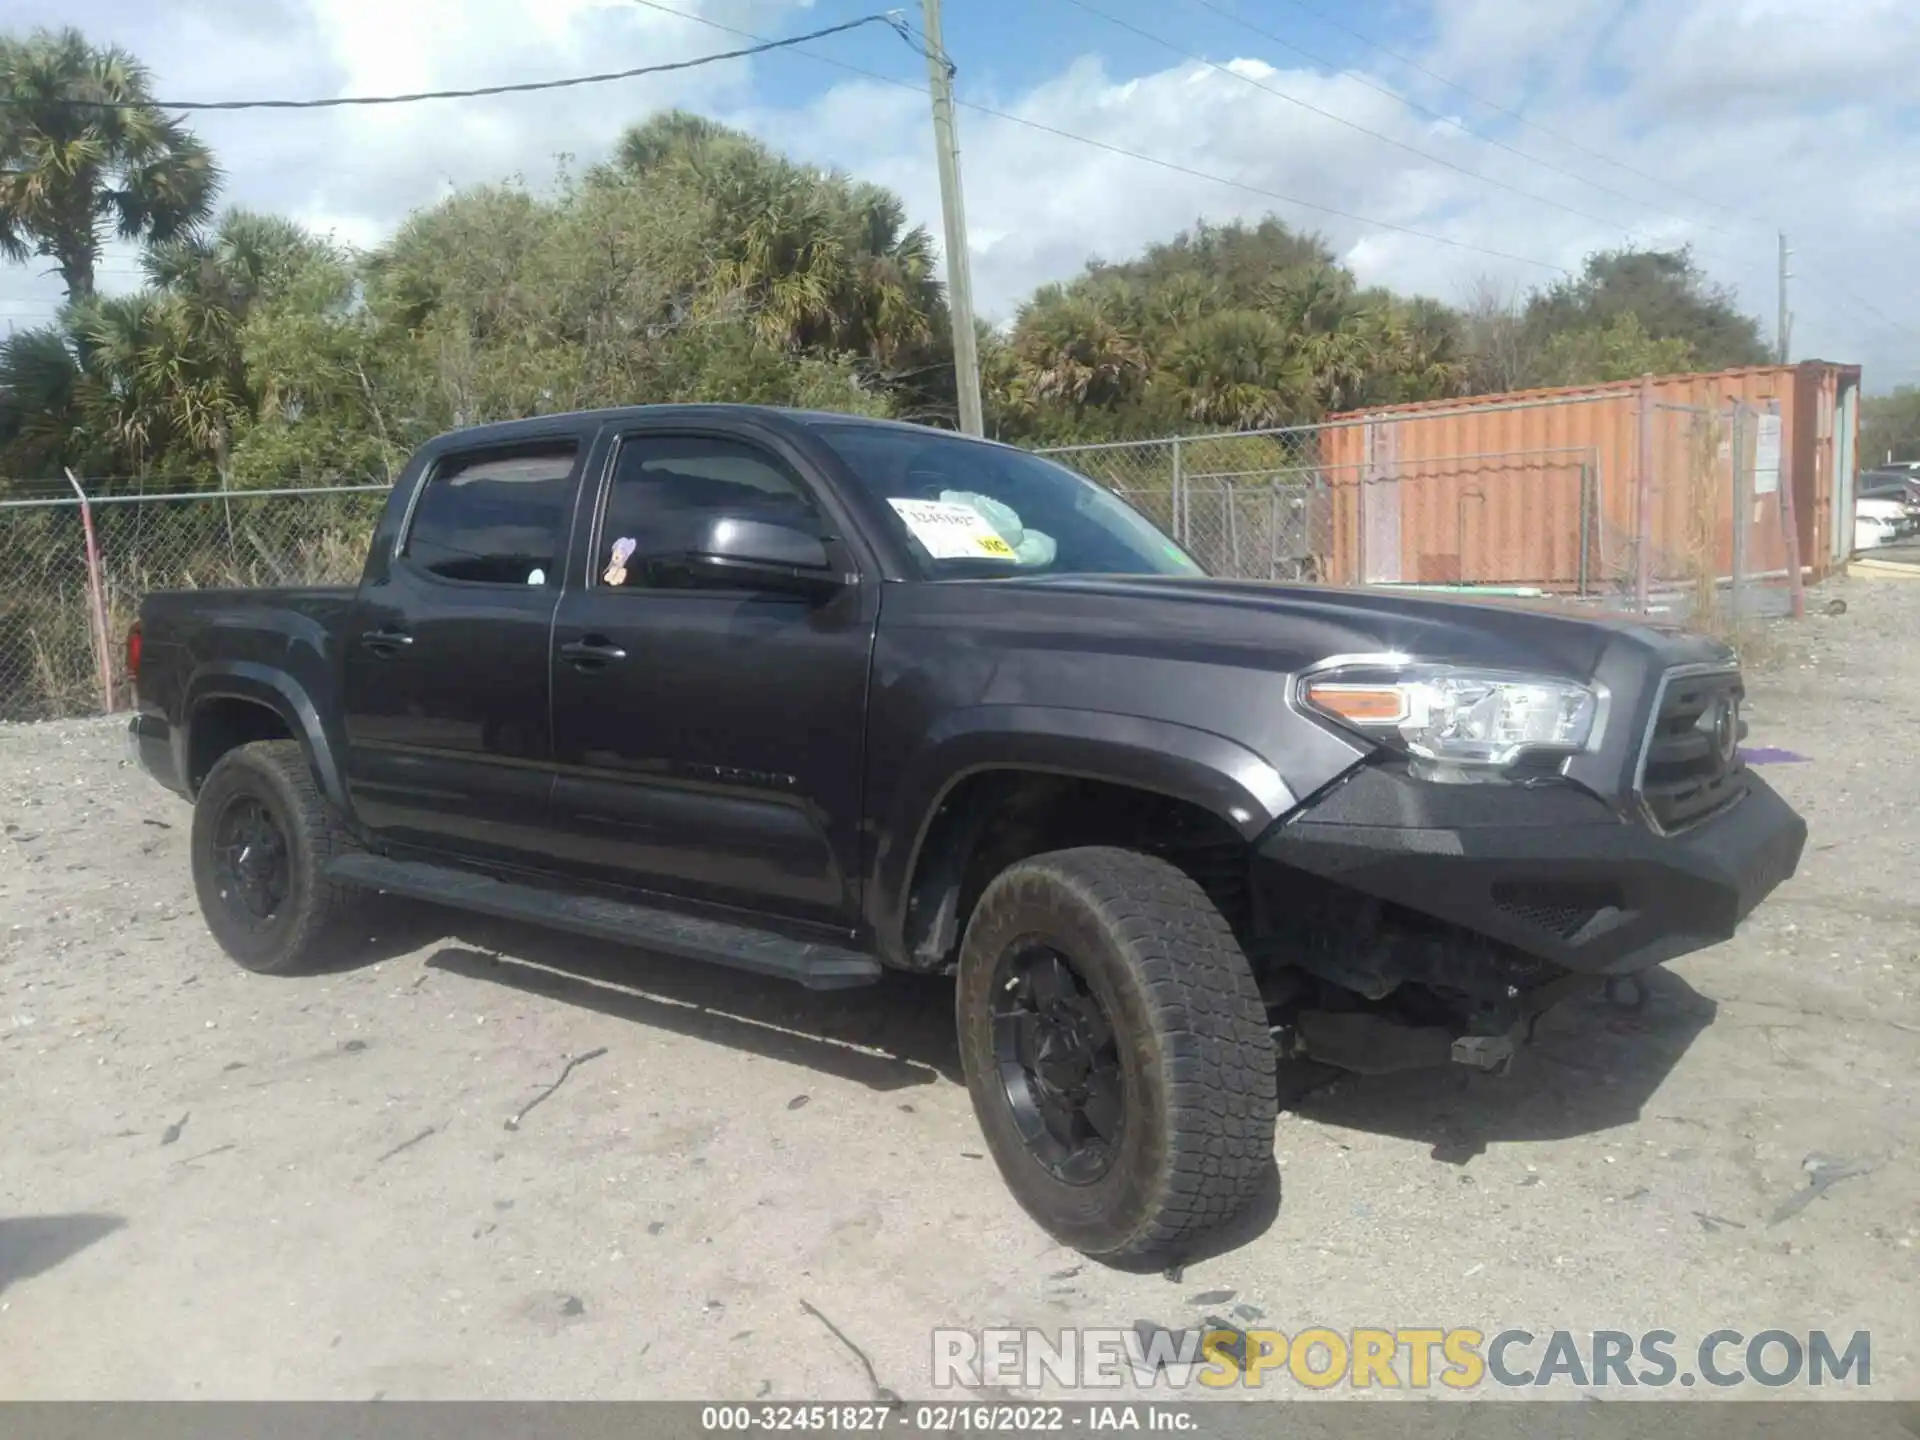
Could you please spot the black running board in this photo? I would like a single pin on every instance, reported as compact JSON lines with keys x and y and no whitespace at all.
{"x":813,"y":964}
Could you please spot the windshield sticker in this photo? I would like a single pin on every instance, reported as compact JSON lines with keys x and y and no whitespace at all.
{"x":952,"y":531}
{"x":617,"y":562}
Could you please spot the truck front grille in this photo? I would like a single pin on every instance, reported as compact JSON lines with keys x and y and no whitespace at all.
{"x":1691,"y":767}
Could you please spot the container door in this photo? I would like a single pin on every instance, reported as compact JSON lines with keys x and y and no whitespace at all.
{"x":1845,"y":462}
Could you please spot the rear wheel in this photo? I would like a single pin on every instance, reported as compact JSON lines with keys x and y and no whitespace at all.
{"x":1116,"y":1052}
{"x":262,"y":835}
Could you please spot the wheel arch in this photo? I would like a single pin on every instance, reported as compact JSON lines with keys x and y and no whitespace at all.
{"x":993,"y":757}
{"x":230,"y":703}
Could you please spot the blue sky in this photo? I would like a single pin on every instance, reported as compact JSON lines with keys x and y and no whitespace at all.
{"x":1009,"y":46}
{"x":1646,"y":121}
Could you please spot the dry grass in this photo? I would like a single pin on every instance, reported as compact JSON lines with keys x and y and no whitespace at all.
{"x":49,"y":665}
{"x":1711,"y":512}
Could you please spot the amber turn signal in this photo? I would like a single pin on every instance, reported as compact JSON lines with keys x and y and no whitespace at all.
{"x":1360,"y":704}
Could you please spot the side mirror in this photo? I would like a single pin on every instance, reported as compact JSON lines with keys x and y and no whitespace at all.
{"x":764,"y":555}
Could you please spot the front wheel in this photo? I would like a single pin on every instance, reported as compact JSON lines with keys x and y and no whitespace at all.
{"x":262,"y":835}
{"x":1117,"y":1053}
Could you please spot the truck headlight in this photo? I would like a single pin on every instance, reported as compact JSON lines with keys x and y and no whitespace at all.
{"x":1456,"y":716}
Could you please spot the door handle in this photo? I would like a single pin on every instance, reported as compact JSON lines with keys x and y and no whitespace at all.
{"x":386,"y":643}
{"x":592,"y":653}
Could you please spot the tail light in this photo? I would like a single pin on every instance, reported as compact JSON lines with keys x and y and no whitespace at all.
{"x":133,"y":655}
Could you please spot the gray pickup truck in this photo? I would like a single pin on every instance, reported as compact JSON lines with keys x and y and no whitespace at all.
{"x":820,"y":697}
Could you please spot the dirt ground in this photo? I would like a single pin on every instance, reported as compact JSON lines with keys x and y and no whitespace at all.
{"x":218,"y":1185}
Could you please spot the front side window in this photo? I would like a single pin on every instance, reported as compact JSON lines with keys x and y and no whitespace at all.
{"x":495,"y":517}
{"x":666,"y":492}
{"x":966,"y":509}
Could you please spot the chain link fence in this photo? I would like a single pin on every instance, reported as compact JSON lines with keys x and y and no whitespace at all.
{"x":1653,"y":508}
{"x":1658,"y":508}
{"x":1714,"y":522}
{"x":1267,"y":506}
{"x":49,"y":648}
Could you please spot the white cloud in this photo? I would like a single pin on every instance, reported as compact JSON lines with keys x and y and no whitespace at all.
{"x":1769,"y":110}
{"x":1837,"y":165}
{"x":358,"y":170}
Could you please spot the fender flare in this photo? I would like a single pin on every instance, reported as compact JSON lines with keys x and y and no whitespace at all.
{"x":277,"y":691}
{"x":1182,"y":762}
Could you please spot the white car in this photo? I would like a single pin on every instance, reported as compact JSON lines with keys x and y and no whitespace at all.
{"x":1872,"y":531}
{"x":1887,"y":507}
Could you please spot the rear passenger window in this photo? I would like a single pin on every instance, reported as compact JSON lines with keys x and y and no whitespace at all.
{"x":496,"y":517}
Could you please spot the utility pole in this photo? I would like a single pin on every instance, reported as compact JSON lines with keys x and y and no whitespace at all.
{"x":966,"y":356}
{"x":1783,"y":334}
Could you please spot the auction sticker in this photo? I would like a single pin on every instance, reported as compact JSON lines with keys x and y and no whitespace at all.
{"x":952,"y":531}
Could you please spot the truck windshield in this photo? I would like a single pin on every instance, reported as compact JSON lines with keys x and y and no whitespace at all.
{"x":968,"y":510}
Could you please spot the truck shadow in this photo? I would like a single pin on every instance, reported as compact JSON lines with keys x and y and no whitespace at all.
{"x":33,"y":1244}
{"x":1592,"y":1066}
{"x":891,"y":1036}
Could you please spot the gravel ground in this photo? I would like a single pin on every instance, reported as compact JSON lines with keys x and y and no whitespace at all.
{"x":215,"y":1184}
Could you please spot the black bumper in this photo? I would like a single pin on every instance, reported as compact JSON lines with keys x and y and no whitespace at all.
{"x":150,"y":744}
{"x":1551,"y":871}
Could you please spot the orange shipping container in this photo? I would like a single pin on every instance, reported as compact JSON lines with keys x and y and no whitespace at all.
{"x":1547,"y":487}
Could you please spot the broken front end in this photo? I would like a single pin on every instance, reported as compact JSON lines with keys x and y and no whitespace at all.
{"x":1428,"y":908}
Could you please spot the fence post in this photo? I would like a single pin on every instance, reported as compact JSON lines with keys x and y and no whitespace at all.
{"x":1790,"y":525}
{"x":1233,"y":526}
{"x":96,"y":590}
{"x":1643,"y":501}
{"x":1273,"y":526}
{"x":1586,"y":518}
{"x":1182,"y":531}
{"x":1742,"y":505}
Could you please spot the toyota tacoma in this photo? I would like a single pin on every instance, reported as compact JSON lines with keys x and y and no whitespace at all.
{"x":820,"y":697}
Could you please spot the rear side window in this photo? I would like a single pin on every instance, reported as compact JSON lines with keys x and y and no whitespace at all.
{"x":496,"y":517}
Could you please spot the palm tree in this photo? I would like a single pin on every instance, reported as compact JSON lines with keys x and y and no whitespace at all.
{"x":677,"y":137}
{"x":1238,"y":370}
{"x":1075,"y":349}
{"x":84,"y":153}
{"x":240,"y":261}
{"x":820,"y":265}
{"x":42,"y":393}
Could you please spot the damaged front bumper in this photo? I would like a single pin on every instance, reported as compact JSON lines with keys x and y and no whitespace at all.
{"x":1566,"y":893}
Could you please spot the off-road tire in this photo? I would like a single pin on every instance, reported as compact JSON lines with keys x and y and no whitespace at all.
{"x":311,"y":927}
{"x":1196,"y":1057}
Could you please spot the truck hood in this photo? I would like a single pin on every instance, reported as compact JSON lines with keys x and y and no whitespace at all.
{"x":1312,"y":622}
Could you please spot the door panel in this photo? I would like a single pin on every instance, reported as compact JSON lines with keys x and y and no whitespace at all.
{"x":446,"y":682}
{"x":716,"y":756}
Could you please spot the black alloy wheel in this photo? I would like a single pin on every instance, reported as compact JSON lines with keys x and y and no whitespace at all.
{"x":252,"y":867}
{"x":1058,"y":1060}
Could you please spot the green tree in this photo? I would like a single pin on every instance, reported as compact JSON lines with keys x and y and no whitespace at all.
{"x":822,"y":264}
{"x":84,"y":154}
{"x":42,"y":405}
{"x":1890,"y":427}
{"x":1075,"y":349}
{"x":1226,"y":325}
{"x":321,"y":371}
{"x":1667,"y":295}
{"x":1618,"y":350}
{"x":1237,"y":370}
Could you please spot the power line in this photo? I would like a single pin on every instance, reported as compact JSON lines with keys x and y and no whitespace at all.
{"x":1431,"y":114}
{"x":1516,"y":115}
{"x":1137,"y":155}
{"x":890,"y":21}
{"x":1342,"y":120}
